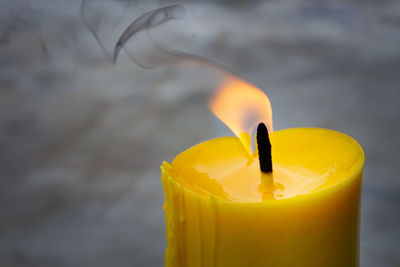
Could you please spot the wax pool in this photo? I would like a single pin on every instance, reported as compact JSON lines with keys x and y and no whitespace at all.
{"x":220,"y":213}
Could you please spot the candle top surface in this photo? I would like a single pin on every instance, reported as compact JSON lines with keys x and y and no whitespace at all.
{"x":305,"y":160}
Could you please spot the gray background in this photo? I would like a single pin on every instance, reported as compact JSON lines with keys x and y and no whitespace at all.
{"x":81,"y":140}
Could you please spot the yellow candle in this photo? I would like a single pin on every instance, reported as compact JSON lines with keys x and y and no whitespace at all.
{"x":220,"y":211}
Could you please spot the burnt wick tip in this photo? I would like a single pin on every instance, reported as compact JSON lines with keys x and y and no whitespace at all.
{"x":264,"y":148}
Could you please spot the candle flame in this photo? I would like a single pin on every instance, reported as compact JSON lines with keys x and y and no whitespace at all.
{"x":241,"y":106}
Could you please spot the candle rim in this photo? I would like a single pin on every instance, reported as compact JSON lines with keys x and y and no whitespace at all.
{"x":167,"y":167}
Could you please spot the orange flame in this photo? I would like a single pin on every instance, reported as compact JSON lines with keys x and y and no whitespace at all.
{"x":241,"y":106}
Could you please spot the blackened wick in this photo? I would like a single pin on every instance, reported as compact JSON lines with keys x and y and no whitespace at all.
{"x":264,"y":148}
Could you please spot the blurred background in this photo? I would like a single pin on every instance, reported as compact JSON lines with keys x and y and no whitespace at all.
{"x":82,"y":139}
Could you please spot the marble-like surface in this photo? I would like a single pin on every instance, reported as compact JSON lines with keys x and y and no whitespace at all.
{"x":82,"y":140}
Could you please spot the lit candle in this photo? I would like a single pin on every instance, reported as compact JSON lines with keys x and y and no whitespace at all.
{"x":226,"y":206}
